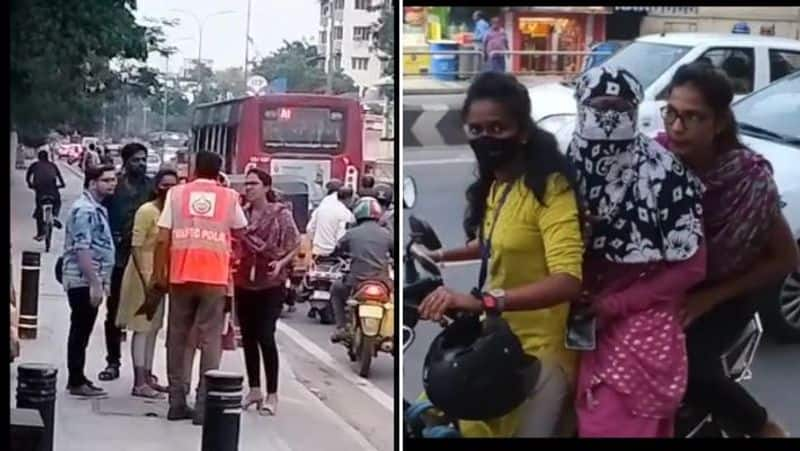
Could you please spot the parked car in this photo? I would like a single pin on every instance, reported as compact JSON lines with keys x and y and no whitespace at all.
{"x":769,"y":123}
{"x":751,"y":61}
{"x":153,"y":163}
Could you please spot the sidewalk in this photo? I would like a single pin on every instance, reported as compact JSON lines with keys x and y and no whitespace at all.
{"x":427,"y":85}
{"x":123,"y":423}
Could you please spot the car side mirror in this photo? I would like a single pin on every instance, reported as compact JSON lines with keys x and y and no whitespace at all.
{"x":409,"y":192}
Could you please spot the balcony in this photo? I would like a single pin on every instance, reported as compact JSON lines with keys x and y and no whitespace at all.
{"x":338,"y":15}
{"x":337,"y":46}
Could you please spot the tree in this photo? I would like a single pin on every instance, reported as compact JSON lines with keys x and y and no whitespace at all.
{"x":60,"y":53}
{"x":302,"y":67}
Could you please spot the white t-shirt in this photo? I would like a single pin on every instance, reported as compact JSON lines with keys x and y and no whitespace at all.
{"x":239,"y":220}
{"x":328,"y":224}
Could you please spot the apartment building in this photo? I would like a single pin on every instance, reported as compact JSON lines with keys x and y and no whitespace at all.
{"x":351,"y":36}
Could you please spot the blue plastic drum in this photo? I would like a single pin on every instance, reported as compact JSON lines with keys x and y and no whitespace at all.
{"x":443,"y":66}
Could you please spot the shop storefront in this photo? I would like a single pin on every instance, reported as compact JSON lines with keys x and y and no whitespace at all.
{"x":553,"y":29}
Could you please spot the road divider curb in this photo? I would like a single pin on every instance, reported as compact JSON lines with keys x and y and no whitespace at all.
{"x":432,"y":125}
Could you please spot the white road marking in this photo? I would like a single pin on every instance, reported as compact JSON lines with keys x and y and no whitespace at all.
{"x":438,"y":161}
{"x":347,"y":373}
{"x":436,"y":107}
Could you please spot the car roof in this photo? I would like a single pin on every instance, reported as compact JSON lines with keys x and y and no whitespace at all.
{"x":714,"y":39}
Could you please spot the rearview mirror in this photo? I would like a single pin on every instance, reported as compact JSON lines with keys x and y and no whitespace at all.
{"x":423,"y":233}
{"x":409,"y":192}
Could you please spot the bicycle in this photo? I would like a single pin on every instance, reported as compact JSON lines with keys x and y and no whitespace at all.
{"x":48,"y":220}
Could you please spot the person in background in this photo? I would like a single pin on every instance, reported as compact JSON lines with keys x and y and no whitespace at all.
{"x":44,"y":178}
{"x":193,"y":262}
{"x":370,"y":248}
{"x":495,"y":40}
{"x":265,"y":252}
{"x":329,"y":221}
{"x":750,"y":244}
{"x":134,"y":188}
{"x":88,"y":262}
{"x":481,"y":27}
{"x":90,"y":158}
{"x":135,"y":280}
{"x":385,"y":196}
{"x":367,"y":186}
{"x":645,"y":251}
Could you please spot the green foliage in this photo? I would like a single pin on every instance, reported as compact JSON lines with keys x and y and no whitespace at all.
{"x":60,"y":55}
{"x":302,"y":67}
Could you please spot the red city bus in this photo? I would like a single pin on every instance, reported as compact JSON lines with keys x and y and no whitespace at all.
{"x":315,"y":137}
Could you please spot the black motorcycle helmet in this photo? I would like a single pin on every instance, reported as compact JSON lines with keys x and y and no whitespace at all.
{"x":384,"y":194}
{"x":477,"y":370}
{"x":333,"y":185}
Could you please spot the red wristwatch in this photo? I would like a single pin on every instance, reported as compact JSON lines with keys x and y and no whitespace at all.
{"x":494,"y":301}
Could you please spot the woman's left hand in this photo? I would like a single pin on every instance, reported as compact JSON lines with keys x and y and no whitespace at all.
{"x":275,"y":268}
{"x":436,"y":304}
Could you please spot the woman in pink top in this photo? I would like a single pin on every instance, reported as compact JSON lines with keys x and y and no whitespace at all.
{"x":645,"y":250}
{"x":270,"y":242}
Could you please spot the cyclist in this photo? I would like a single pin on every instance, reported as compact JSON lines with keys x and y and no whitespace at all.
{"x":44,"y":178}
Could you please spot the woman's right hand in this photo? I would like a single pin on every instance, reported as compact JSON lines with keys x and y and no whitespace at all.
{"x":436,"y":304}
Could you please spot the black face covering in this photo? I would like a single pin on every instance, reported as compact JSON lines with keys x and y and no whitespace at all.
{"x":495,"y":153}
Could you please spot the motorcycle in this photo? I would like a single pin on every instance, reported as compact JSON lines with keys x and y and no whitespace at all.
{"x":369,"y":316}
{"x":316,"y":287}
{"x":421,"y":418}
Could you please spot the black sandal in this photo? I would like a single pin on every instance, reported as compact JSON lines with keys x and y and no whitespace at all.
{"x":109,"y":374}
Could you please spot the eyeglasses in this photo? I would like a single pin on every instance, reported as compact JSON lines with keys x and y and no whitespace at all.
{"x":689,"y":119}
{"x":496,"y":130}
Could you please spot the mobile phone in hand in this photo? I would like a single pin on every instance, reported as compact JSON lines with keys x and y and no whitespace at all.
{"x":581,"y":334}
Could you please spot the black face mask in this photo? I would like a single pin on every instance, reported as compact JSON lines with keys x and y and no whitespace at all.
{"x":495,"y":153}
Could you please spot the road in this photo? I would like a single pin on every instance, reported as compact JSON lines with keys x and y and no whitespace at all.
{"x":324,"y":403}
{"x":442,"y":174}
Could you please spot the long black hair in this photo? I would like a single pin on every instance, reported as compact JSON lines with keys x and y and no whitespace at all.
{"x":717,"y":91}
{"x":157,"y":180}
{"x":266,"y":179}
{"x":541,"y":156}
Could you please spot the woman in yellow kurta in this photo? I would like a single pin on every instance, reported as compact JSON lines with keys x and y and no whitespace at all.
{"x":132,"y":294}
{"x":535,"y":247}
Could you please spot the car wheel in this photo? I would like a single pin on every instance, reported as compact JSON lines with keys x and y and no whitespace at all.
{"x":782,"y":318}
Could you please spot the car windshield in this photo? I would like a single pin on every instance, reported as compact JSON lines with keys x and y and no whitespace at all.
{"x":772,"y":112}
{"x":646,"y":60}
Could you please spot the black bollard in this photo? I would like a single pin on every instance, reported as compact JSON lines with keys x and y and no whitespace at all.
{"x":223,"y":411}
{"x":26,"y":429}
{"x":29,"y":295}
{"x":36,"y":389}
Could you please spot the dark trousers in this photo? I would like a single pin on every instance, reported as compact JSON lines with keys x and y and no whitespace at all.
{"x":708,"y":388}
{"x":258,"y":311}
{"x":113,"y":333}
{"x":340,"y":291}
{"x":38,"y":213}
{"x":81,"y":323}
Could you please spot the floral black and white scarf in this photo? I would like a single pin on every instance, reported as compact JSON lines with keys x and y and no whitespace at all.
{"x":647,"y":204}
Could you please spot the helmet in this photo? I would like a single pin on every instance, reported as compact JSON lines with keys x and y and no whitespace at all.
{"x":477,"y":370}
{"x":367,"y":208}
{"x":333,"y":185}
{"x":384,"y":194}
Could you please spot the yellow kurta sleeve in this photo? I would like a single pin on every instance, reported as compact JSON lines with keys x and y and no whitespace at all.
{"x":560,"y":228}
{"x":143,"y":222}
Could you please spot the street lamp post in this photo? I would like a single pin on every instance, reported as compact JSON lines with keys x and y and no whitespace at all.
{"x":200,"y":25}
{"x":247,"y":44}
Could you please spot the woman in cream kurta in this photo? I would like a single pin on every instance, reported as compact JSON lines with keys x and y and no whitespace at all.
{"x":134,"y":281}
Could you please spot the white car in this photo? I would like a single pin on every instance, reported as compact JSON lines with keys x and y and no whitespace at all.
{"x":769,"y":123}
{"x":751,"y":61}
{"x":153,"y":163}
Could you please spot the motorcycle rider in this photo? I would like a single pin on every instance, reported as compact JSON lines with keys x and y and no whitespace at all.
{"x":370,"y":248}
{"x":329,"y":221}
{"x":44,"y":178}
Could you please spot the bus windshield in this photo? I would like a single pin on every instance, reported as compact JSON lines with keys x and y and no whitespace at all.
{"x":303,"y":128}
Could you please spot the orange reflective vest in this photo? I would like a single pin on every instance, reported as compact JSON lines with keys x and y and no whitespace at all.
{"x":202,"y":214}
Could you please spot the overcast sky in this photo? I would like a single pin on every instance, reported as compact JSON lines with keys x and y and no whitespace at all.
{"x":271,"y":22}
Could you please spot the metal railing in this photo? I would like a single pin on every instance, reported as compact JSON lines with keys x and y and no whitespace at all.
{"x":540,"y":62}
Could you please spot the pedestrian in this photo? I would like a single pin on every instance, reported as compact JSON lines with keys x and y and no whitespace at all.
{"x":134,"y":188}
{"x":367,"y":186}
{"x":135,"y":280}
{"x":495,"y":40}
{"x":90,"y":158}
{"x":265,"y":253}
{"x":481,"y":27}
{"x":750,"y":245}
{"x":193,"y":262}
{"x":329,"y":220}
{"x":522,"y":217}
{"x":87,"y":264}
{"x":44,"y":178}
{"x":645,"y":250}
